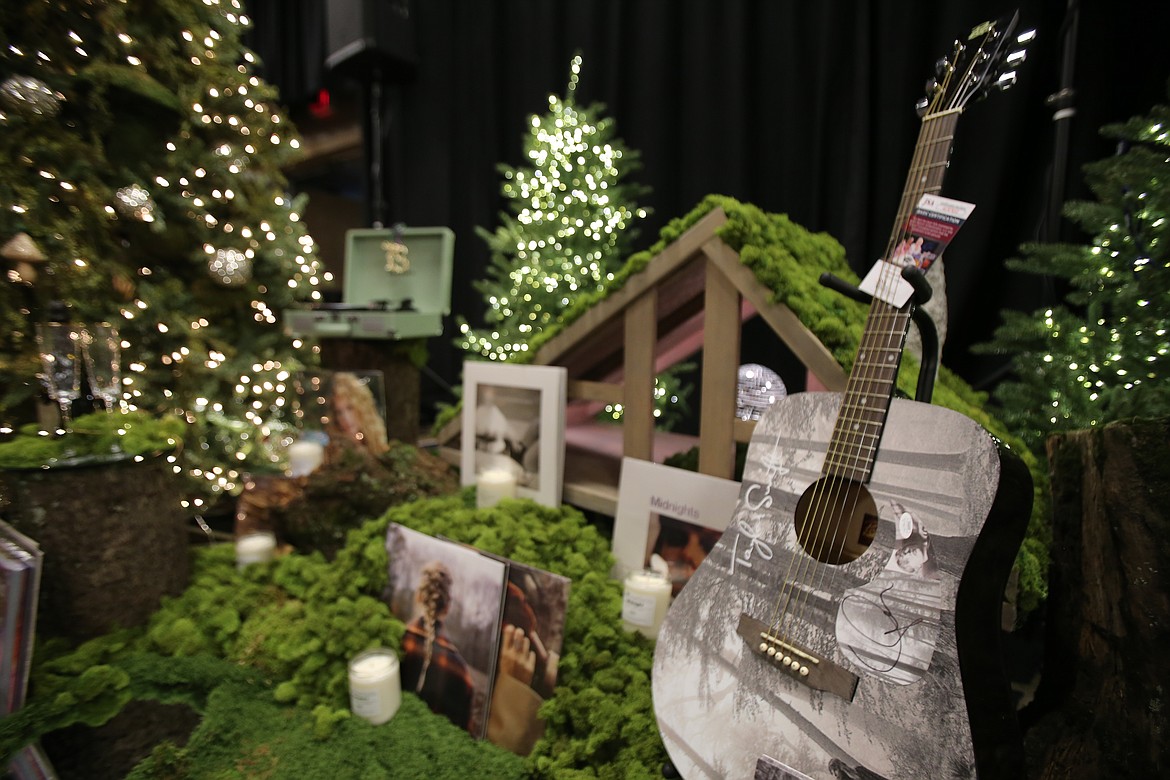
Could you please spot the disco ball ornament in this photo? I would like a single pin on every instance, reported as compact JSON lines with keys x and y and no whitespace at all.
{"x":758,"y":388}
{"x":134,"y":202}
{"x":230,"y":267}
{"x":30,"y":97}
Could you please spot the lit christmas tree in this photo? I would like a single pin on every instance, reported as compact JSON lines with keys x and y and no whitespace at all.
{"x":143,"y":187}
{"x":1103,"y":355}
{"x":570,"y":225}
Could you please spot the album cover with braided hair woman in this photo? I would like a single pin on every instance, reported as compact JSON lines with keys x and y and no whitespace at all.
{"x":450,"y":597}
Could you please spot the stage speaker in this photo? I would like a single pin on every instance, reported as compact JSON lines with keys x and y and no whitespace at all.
{"x":366,"y":37}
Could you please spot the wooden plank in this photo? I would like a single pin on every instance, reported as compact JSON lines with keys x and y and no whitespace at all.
{"x":605,"y":392}
{"x":743,"y":430}
{"x":661,"y":266}
{"x":802,"y":341}
{"x":721,"y":336}
{"x":638,"y":385}
{"x":451,"y":431}
{"x":452,"y":455}
{"x":598,"y":356}
{"x":593,"y":496}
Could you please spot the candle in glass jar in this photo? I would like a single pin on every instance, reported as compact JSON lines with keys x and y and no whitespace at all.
{"x":375,"y":687}
{"x":645,"y":599}
{"x":304,"y":457}
{"x":493,"y":485}
{"x":259,"y":547}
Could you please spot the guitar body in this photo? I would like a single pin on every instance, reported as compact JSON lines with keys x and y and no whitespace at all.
{"x":930,"y":699}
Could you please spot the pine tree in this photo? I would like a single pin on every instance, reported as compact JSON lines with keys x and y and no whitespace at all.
{"x":1102,"y":354}
{"x":143,"y":163}
{"x":570,"y":226}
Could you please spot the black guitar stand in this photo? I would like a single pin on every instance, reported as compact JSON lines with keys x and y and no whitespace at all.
{"x":926,"y":327}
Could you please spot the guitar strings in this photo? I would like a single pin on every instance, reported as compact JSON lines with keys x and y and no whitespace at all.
{"x":935,"y":139}
{"x":866,"y":401}
{"x":864,"y":404}
{"x":884,"y":334}
{"x":827,"y":491}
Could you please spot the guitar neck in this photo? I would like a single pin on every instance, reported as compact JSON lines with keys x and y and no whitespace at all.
{"x":871,"y":383}
{"x":932,"y":155}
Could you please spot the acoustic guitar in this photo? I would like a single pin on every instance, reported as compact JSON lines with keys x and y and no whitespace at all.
{"x":846,"y":624}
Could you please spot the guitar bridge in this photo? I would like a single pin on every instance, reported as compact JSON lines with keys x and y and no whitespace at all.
{"x":820,"y":674}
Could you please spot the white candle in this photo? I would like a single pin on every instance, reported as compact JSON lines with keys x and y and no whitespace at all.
{"x":255,"y":548}
{"x":493,"y":485}
{"x":304,"y":457}
{"x":645,"y":599}
{"x":375,"y":688}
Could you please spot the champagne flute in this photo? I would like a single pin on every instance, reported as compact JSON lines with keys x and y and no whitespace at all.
{"x":59,"y":344}
{"x":102,"y":349}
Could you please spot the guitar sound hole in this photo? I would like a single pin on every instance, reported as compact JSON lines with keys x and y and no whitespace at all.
{"x":836,"y":520}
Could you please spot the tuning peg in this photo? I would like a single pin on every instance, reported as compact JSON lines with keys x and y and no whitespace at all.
{"x":1016,"y":58}
{"x":941,"y":67}
{"x":921,"y":106}
{"x":1026,"y":37}
{"x":1006,"y":80}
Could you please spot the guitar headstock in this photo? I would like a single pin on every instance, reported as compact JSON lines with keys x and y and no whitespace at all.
{"x":986,"y":61}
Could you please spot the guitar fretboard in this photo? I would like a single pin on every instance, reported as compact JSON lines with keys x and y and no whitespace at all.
{"x":871,"y":383}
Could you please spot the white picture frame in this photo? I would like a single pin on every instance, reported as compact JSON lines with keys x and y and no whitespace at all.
{"x":514,"y":421}
{"x":654,"y":499}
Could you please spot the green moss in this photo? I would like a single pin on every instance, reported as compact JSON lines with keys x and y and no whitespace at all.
{"x":93,"y":436}
{"x":244,"y":734}
{"x":262,"y":654}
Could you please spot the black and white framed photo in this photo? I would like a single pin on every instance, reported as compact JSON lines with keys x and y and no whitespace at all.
{"x":514,"y":428}
{"x":673,"y":513}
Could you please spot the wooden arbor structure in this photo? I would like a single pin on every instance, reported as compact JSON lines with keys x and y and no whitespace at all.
{"x":694,"y":294}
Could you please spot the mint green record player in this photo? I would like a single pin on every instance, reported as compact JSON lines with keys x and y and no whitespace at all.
{"x":397,"y":286}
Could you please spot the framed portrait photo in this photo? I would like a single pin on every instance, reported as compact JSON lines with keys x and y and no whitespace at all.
{"x":676,"y":514}
{"x":514,"y":424}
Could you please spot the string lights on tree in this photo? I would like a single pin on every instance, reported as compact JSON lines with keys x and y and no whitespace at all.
{"x":570,"y":225}
{"x":1102,"y":354}
{"x":145,"y":162}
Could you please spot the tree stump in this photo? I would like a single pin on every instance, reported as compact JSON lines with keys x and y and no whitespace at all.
{"x":318,"y":511}
{"x":113,"y":536}
{"x":1103,"y":693}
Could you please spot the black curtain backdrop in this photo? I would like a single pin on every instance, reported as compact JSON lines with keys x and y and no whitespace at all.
{"x":797,"y":107}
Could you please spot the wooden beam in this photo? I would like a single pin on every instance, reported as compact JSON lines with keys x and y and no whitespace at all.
{"x":638,"y":385}
{"x":605,"y":392}
{"x":802,"y":341}
{"x":593,"y":496}
{"x":661,"y":266}
{"x":721,"y":337}
{"x":598,"y":356}
{"x":743,"y":430}
{"x":451,"y":431}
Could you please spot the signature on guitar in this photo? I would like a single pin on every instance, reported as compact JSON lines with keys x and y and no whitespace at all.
{"x":862,"y":610}
{"x":755,"y":544}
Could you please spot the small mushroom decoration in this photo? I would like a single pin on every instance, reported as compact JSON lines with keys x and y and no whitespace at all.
{"x":25,"y":255}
